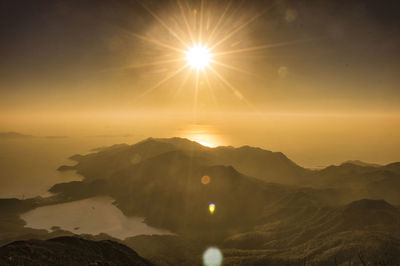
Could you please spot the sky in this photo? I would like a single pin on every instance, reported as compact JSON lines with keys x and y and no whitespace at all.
{"x":324,"y":73}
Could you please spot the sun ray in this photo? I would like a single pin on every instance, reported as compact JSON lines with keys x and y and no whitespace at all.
{"x":186,"y":21}
{"x":211,"y":91}
{"x":211,"y":35}
{"x":157,"y":63}
{"x":150,"y":40}
{"x":157,"y":42}
{"x":260,"y":47}
{"x":165,"y":79}
{"x":171,"y":31}
{"x":186,"y":77}
{"x":237,"y":93}
{"x":201,"y":21}
{"x":198,"y":39}
{"x":215,"y":62}
{"x":208,"y":21}
{"x":196,"y":92}
{"x":232,"y":33}
{"x":193,"y":17}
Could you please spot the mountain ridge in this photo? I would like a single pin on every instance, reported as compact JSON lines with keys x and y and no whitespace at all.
{"x":319,"y":217}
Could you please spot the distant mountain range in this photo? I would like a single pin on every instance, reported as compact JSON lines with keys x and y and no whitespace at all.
{"x":16,"y":135}
{"x":13,"y":135}
{"x":265,"y":165}
{"x":268,"y":209}
{"x":360,"y":179}
{"x":361,"y":163}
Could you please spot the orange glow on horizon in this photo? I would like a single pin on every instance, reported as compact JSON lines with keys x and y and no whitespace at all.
{"x":203,"y":135}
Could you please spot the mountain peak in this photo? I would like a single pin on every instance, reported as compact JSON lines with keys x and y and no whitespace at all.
{"x":179,"y":143}
{"x":370,"y":213}
{"x":360,"y":163}
{"x":369,"y":205}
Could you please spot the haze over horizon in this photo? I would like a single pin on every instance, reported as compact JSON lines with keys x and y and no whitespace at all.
{"x":319,"y":92}
{"x":311,"y":140}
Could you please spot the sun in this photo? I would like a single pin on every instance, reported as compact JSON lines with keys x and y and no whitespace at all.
{"x":198,"y":57}
{"x":202,"y":41}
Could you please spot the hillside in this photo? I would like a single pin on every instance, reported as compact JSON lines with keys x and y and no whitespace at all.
{"x":69,"y":251}
{"x":337,"y":215}
{"x":265,"y":165}
{"x":167,"y":190}
{"x":362,"y":181}
{"x":364,"y":232}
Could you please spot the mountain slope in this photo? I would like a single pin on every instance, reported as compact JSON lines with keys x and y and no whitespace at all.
{"x":362,"y":181}
{"x":167,"y":190}
{"x":297,"y":230}
{"x":69,"y":251}
{"x":171,"y":182}
{"x":265,"y":165}
{"x":364,"y":231}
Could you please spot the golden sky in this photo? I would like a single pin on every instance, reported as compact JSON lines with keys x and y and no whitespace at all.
{"x":300,"y":77}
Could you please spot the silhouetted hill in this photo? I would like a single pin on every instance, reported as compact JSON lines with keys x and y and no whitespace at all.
{"x":299,"y":230}
{"x":262,"y":164}
{"x":252,"y":161}
{"x":69,"y":251}
{"x":364,"y":181}
{"x":394,"y":167}
{"x":361,"y":163}
{"x":167,"y":190}
{"x":346,"y":248}
{"x":107,"y":160}
{"x":376,"y":213}
{"x":265,"y":165}
{"x":364,"y":231}
{"x":346,"y":174}
{"x":160,"y":179}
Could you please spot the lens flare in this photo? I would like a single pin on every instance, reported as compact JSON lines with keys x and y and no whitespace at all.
{"x":205,"y":180}
{"x":212,"y":257}
{"x":211,"y":207}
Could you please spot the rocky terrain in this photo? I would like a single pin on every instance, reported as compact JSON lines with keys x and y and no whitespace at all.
{"x":69,"y":251}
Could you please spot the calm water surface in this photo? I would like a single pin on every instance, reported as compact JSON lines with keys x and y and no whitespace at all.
{"x":89,"y":216}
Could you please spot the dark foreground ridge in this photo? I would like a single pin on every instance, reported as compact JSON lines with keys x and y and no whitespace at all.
{"x":69,"y":251}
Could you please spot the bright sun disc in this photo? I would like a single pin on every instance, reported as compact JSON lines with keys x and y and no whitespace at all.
{"x":198,"y":56}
